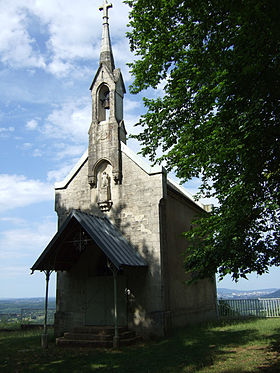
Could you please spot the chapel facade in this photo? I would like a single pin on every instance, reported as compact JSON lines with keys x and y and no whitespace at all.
{"x":119,"y":246}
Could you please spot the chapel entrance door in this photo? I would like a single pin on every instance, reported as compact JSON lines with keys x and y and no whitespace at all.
{"x":100,"y":300}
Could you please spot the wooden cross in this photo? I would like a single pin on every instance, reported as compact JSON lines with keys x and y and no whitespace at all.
{"x":105,"y":8}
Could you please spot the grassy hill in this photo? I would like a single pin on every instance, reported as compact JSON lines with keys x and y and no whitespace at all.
{"x":240,"y":347}
{"x":275,"y":294}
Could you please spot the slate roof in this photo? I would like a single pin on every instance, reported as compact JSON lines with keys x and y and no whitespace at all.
{"x":59,"y":255}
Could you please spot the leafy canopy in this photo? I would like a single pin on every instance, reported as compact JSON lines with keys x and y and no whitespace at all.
{"x":218,"y":119}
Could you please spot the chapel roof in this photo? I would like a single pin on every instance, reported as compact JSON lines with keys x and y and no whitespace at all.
{"x":62,"y":252}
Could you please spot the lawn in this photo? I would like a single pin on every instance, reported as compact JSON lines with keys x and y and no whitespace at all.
{"x":236,"y":346}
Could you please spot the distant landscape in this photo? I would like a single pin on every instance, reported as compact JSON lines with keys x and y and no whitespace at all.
{"x":15,"y":305}
{"x":25,"y":310}
{"x":246,"y":294}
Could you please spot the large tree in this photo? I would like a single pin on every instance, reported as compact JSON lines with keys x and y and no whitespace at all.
{"x":218,"y":119}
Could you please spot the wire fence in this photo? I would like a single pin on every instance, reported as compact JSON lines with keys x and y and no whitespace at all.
{"x":269,"y":307}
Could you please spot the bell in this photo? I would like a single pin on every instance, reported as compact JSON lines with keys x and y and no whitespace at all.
{"x":106,"y":103}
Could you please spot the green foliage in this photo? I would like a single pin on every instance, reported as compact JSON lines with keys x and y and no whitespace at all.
{"x":218,"y":120}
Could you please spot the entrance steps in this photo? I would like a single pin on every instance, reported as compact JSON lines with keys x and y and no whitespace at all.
{"x":97,"y":336}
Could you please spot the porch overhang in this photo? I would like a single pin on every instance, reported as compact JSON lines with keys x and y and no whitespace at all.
{"x":63,"y":251}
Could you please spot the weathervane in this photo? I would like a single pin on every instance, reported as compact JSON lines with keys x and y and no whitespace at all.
{"x":105,"y":8}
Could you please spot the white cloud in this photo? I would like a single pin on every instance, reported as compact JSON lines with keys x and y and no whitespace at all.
{"x":71,"y":151}
{"x":5,"y":132}
{"x":12,"y":220}
{"x":29,"y":147}
{"x":59,"y":68}
{"x":18,"y":191}
{"x":62,"y":172}
{"x":71,"y":32}
{"x":26,"y":241}
{"x":7,"y":129}
{"x":160,"y":92}
{"x":75,"y":29}
{"x":16,"y":45}
{"x":131,"y":105}
{"x":26,"y":146}
{"x":32,"y":124}
{"x":122,"y":53}
{"x":132,"y":110}
{"x":130,"y":121}
{"x":70,"y":121}
{"x":37,"y":153}
{"x":71,"y":27}
{"x":8,"y":272}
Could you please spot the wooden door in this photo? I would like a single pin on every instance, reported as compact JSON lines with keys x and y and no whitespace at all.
{"x":100,"y":300}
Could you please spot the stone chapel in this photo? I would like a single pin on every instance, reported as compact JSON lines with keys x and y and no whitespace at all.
{"x":118,"y":251}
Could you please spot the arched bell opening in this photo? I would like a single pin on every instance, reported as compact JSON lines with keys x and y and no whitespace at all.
{"x":103,"y":105}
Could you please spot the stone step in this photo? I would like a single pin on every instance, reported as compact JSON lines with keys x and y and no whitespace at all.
{"x":97,"y":336}
{"x":98,"y":330}
{"x":100,"y":337}
{"x":87,"y":336}
{"x":130,"y":341}
{"x":63,"y":342}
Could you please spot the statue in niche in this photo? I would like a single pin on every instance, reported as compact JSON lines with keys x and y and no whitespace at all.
{"x":105,"y":188}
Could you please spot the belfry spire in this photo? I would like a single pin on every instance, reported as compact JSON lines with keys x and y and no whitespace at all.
{"x":107,"y":129}
{"x":106,"y":55}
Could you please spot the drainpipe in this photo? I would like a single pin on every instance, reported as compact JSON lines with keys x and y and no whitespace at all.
{"x":44,"y":336}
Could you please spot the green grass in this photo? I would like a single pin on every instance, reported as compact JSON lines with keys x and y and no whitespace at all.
{"x":225,"y":347}
{"x":9,"y":325}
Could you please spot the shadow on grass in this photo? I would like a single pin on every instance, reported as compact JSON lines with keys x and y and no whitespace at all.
{"x":275,"y":346}
{"x":273,"y":362}
{"x":187,"y":350}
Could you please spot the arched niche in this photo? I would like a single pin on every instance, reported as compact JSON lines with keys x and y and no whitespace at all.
{"x":103,"y":103}
{"x":104,"y":173}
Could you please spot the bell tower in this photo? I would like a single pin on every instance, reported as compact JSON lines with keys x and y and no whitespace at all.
{"x":107,"y":127}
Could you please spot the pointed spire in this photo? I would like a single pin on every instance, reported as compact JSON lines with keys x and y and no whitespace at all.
{"x":106,"y":55}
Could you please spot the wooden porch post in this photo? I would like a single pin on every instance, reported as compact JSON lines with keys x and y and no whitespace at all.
{"x":44,"y":336}
{"x":116,"y":339}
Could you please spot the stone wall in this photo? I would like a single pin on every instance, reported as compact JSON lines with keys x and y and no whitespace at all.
{"x":187,"y":303}
{"x":152,"y":217}
{"x":135,"y":211}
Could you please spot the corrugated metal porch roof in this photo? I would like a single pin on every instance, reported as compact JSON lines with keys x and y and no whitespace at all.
{"x":58,"y":255}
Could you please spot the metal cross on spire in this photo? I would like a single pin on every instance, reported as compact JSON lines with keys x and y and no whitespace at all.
{"x":106,"y":55}
{"x":105,"y":8}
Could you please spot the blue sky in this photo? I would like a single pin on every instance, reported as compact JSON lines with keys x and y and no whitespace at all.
{"x":49,"y":52}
